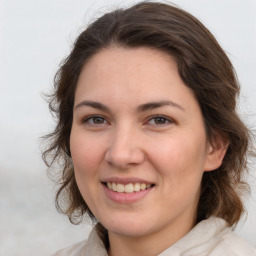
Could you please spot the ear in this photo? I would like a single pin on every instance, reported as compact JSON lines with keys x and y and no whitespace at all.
{"x":216,"y":152}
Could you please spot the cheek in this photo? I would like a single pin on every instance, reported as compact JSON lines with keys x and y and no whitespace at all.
{"x":173,"y":152}
{"x":180,"y":159}
{"x":180,"y":168}
{"x":86,"y":154}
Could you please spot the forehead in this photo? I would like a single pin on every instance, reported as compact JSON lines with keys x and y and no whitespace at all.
{"x":145,"y":74}
{"x":127,"y":59}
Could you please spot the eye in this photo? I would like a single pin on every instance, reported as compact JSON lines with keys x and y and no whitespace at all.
{"x":159,"y":120}
{"x":95,"y":120}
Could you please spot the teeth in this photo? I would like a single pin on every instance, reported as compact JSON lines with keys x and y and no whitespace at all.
{"x":120,"y":188}
{"x":114,"y":187}
{"x":109,"y":185}
{"x":136,"y":187}
{"x":128,"y":188}
{"x":143,"y":186}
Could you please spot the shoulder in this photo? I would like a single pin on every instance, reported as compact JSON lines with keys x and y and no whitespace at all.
{"x":235,"y":245}
{"x":92,"y":246}
{"x":224,"y":241}
{"x":211,"y":237}
{"x":73,"y":250}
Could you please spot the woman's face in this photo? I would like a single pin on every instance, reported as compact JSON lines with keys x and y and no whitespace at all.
{"x":139,"y":130}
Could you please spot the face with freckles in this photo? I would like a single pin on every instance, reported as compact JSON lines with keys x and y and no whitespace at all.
{"x":138,"y":143}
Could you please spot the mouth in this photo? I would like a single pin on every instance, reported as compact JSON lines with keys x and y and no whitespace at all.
{"x":127,"y":188}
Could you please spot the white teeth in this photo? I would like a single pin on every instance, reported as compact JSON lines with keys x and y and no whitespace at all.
{"x":114,"y":187}
{"x":120,"y":188}
{"x":136,"y":187}
{"x":143,"y":186}
{"x":128,"y":188}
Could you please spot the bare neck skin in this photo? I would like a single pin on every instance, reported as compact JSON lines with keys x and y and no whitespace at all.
{"x":152,"y":244}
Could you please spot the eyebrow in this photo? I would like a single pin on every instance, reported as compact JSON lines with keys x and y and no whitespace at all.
{"x":140,"y":108}
{"x":158,"y":104}
{"x":93,"y":104}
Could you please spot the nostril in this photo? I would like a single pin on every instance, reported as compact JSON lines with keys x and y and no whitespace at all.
{"x":124,"y":153}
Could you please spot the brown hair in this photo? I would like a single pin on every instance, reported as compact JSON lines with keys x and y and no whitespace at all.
{"x":202,"y":65}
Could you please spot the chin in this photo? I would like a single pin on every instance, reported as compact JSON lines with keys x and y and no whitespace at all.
{"x":129,"y":227}
{"x":128,"y":231}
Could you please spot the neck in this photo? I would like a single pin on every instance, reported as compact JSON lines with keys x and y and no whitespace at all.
{"x":149,"y":245}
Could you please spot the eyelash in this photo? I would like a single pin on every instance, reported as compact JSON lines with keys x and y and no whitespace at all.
{"x":93,"y":117}
{"x":165,"y":119}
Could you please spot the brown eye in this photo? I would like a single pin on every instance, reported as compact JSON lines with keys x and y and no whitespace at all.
{"x":160,"y":120}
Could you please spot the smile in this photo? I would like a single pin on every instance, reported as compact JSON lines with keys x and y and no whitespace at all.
{"x":128,"y":188}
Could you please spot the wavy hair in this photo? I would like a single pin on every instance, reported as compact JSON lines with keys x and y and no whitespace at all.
{"x":203,"y":66}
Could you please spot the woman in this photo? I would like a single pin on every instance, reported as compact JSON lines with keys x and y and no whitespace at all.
{"x":152,"y":147}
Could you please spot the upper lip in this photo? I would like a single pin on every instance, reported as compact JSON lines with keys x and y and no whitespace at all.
{"x":125,"y":181}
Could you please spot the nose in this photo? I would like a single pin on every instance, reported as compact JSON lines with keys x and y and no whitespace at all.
{"x":125,"y":149}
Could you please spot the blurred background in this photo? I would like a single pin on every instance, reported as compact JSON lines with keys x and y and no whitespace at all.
{"x":34,"y":37}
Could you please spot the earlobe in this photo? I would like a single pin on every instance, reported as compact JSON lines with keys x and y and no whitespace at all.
{"x":216,"y":154}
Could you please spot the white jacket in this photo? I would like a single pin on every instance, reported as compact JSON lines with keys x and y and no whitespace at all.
{"x":210,"y":237}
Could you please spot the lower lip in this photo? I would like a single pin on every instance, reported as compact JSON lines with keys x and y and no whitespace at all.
{"x":126,"y":198}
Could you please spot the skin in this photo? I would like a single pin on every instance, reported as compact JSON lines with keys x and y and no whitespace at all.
{"x":126,"y":140}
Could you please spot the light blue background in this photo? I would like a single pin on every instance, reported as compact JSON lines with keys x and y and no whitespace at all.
{"x":34,"y":37}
